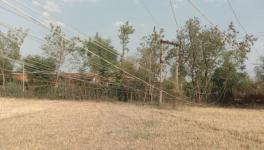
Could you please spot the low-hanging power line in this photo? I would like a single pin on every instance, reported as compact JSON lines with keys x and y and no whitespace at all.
{"x":26,"y":16}
{"x":45,"y":70}
{"x":62,"y":76}
{"x":98,"y":43}
{"x":48,"y":67}
{"x":112,"y":51}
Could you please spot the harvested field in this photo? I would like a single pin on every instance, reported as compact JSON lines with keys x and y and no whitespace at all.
{"x":33,"y":124}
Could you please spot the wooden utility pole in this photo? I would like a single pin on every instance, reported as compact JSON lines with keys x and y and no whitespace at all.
{"x":161,"y":73}
{"x":23,"y":81}
{"x":176,"y":45}
{"x":177,"y":70}
{"x":153,"y":47}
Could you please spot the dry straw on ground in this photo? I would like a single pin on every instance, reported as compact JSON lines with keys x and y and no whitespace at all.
{"x":32,"y":124}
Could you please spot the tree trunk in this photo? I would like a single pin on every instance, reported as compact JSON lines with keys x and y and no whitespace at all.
{"x":123,"y":50}
{"x":131,"y":96}
{"x":3,"y":78}
{"x":145,"y":94}
{"x":206,"y":84}
{"x":193,"y":90}
{"x":196,"y":91}
{"x":150,"y":77}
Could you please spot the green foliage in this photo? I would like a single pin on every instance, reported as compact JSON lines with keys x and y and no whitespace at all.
{"x":211,"y":63}
{"x":259,"y":69}
{"x":149,"y":56}
{"x":200,"y":52}
{"x":57,"y":45}
{"x":40,"y":70}
{"x":124,"y":31}
{"x":206,"y":53}
{"x":102,"y":48}
{"x":227,"y":81}
{"x":10,"y":44}
{"x":259,"y":84}
{"x":230,"y":76}
{"x":238,"y":47}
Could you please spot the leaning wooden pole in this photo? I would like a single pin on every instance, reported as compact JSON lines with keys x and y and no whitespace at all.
{"x":161,"y":74}
{"x":153,"y":48}
{"x":23,"y":81}
{"x":177,"y":71}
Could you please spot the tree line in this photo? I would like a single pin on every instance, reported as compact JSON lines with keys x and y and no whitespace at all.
{"x":211,"y":65}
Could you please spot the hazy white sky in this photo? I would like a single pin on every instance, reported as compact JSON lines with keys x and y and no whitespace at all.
{"x":104,"y":16}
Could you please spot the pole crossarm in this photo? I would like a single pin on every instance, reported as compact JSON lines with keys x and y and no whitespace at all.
{"x":177,"y":45}
{"x":170,"y":42}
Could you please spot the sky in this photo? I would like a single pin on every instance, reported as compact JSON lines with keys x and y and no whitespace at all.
{"x":86,"y":17}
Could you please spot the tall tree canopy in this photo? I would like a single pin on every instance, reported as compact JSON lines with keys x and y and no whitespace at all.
{"x":58,"y":46}
{"x":204,"y":49}
{"x":124,"y":31}
{"x":104,"y":51}
{"x":260,"y":70}
{"x":40,"y":70}
{"x":10,"y":44}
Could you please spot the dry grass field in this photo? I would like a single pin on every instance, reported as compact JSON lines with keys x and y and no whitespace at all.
{"x":33,"y":124}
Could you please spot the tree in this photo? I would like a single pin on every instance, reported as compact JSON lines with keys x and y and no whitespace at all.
{"x":204,"y":49}
{"x":259,"y":83}
{"x":212,"y":43}
{"x":238,"y":47}
{"x":102,"y":48}
{"x":230,"y":74}
{"x":259,"y":69}
{"x":41,"y":73}
{"x":194,"y":51}
{"x":228,"y":81}
{"x":41,"y":70}
{"x":149,"y":52}
{"x":200,"y":52}
{"x":57,"y":47}
{"x":10,"y":44}
{"x":124,"y":31}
